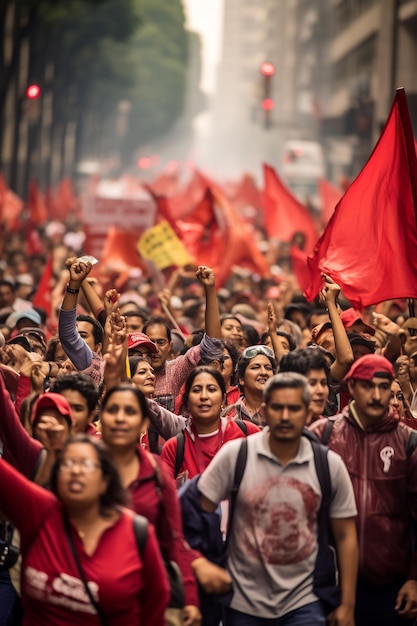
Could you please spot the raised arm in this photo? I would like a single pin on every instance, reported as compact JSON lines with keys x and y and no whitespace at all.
{"x":73,"y":345}
{"x":344,"y":354}
{"x":212,"y":315}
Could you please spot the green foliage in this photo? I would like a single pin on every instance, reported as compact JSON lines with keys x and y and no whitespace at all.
{"x":105,"y":51}
{"x":161,"y":45}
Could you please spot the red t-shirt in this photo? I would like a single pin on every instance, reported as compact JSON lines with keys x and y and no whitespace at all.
{"x":128,"y":590}
{"x":199,"y":450}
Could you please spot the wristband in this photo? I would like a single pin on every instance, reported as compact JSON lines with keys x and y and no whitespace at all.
{"x":71,"y":290}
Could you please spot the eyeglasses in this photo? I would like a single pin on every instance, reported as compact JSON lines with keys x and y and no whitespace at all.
{"x":252,"y":351}
{"x":160,"y":342}
{"x":398,"y":396}
{"x":141,"y":354}
{"x":86,"y":465}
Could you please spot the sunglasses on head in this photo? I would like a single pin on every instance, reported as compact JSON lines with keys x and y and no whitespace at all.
{"x":252,"y":351}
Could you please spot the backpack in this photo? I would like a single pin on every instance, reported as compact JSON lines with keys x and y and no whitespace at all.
{"x":202,"y":529}
{"x":180,"y":437}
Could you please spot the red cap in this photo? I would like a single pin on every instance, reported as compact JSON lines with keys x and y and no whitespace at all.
{"x":370,"y":365}
{"x":351,"y":316}
{"x":54,"y":401}
{"x":140,"y":339}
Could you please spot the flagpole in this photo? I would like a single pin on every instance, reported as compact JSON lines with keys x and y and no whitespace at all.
{"x":409,"y":143}
{"x":412,"y":165}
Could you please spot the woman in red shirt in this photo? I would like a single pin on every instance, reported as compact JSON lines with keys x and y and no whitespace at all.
{"x":128,"y":587}
{"x":207,"y":431}
{"x":123,"y":418}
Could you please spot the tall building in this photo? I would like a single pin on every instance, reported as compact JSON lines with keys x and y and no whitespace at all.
{"x":372,"y":50}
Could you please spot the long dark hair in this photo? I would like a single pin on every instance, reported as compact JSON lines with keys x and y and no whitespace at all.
{"x":199,"y":370}
{"x":115,"y":495}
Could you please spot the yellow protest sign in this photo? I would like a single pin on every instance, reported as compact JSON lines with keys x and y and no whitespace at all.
{"x":161,"y":245}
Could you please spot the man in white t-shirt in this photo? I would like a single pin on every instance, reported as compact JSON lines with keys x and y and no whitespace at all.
{"x":273,"y":541}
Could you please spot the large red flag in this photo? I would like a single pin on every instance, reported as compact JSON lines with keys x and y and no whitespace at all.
{"x":215,"y":235}
{"x":329,"y":196}
{"x":284,"y":215}
{"x":369,"y":246}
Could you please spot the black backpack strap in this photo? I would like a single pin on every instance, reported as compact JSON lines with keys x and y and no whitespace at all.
{"x":179,"y":454}
{"x":239,"y":471}
{"x":328,"y":430}
{"x":242,"y":425}
{"x":140,"y":528}
{"x":323,"y":474}
{"x":153,"y":437}
{"x":411,"y":443}
{"x":325,"y":577}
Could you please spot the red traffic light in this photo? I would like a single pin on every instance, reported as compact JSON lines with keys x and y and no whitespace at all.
{"x":268,"y":104}
{"x":267,"y":68}
{"x":33,"y":91}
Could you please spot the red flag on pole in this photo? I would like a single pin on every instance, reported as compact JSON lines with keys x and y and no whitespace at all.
{"x":284,"y":215}
{"x":369,"y":245}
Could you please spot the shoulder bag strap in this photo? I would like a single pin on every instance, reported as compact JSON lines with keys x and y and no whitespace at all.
{"x":327,"y":430}
{"x":100,"y":613}
{"x":179,"y":453}
{"x":140,"y":528}
{"x":323,"y":474}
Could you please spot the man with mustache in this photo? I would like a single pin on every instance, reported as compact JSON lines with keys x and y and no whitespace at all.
{"x":382,"y":464}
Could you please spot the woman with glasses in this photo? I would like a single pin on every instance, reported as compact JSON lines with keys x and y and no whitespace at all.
{"x":399,"y":405}
{"x":256,"y":365}
{"x":206,"y":431}
{"x":80,"y":559}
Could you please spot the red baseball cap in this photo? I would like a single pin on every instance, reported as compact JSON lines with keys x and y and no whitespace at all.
{"x":370,"y":365}
{"x":140,"y":339}
{"x":54,"y":401}
{"x":351,"y":316}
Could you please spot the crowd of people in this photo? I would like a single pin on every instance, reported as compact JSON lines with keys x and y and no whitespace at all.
{"x":293,"y":422}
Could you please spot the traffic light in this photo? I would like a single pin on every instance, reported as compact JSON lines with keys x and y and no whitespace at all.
{"x":33,"y":91}
{"x":267,"y":71}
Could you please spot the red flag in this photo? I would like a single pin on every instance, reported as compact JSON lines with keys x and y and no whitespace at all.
{"x":11,"y":206}
{"x":284,"y":215}
{"x":299,"y":266}
{"x":120,"y":256}
{"x":369,"y":245}
{"x":330,"y":196}
{"x":38,"y":213}
{"x":215,"y":235}
{"x":65,"y":200}
{"x":43,"y":295}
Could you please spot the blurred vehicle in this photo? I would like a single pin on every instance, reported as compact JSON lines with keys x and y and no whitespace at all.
{"x":302,"y":167}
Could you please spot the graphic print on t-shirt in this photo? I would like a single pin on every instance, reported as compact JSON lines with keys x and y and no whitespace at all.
{"x":283,"y":513}
{"x":63,"y":590}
